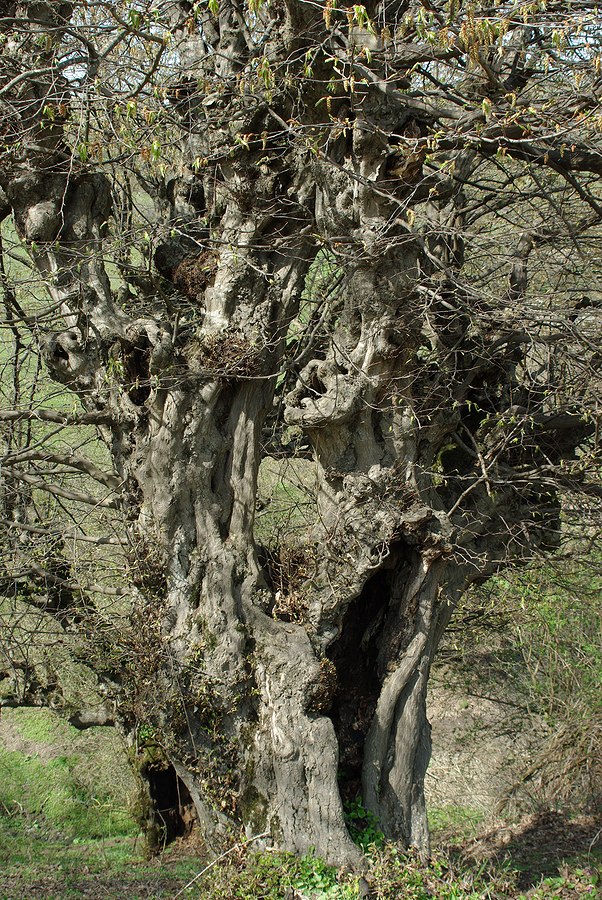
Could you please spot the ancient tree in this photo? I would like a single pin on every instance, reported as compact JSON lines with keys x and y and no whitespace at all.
{"x":366,"y":237}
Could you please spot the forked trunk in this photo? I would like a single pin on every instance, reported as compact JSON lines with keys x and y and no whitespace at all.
{"x":269,"y":714}
{"x":269,"y":686}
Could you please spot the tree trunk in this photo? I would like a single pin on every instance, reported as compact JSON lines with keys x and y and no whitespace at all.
{"x":262,"y":707}
{"x":264,"y":720}
{"x":293,"y":781}
{"x":268,"y":686}
{"x":398,"y":744}
{"x":241,"y":706}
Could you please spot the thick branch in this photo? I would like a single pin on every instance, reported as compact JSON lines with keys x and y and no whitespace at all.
{"x":70,"y":535}
{"x":73,"y":461}
{"x":56,"y":581}
{"x":50,"y":415}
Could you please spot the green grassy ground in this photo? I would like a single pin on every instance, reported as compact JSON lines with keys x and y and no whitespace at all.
{"x":66,"y":831}
{"x":53,"y":776}
{"x":38,"y":862}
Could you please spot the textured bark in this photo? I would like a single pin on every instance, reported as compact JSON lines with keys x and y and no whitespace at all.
{"x":433,"y":419}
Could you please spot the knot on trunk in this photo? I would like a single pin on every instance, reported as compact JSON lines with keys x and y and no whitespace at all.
{"x":37,"y":201}
{"x":148,"y":338}
{"x":144,"y":351}
{"x":70,"y":359}
{"x":323,"y":396}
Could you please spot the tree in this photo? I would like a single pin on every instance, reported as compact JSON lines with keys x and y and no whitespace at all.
{"x":364,"y":234}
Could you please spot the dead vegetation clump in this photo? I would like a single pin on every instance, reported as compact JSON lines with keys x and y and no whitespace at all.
{"x":289,"y":569}
{"x":225,"y":355}
{"x":195,"y":273}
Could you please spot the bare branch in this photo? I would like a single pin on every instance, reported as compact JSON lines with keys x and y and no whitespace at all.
{"x":50,"y":415}
{"x":72,"y":460}
{"x":65,"y":493}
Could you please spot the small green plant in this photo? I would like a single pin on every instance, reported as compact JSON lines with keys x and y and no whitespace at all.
{"x":402,"y":874}
{"x":315,"y":878}
{"x":274,"y":875}
{"x":363,"y":825}
{"x":146,"y":734}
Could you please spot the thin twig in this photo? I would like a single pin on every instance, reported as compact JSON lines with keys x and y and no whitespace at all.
{"x":217,"y":859}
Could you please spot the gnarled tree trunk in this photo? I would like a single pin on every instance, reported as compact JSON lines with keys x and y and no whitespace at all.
{"x":435,"y":423}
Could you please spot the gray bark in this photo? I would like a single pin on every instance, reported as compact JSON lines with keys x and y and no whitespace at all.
{"x":235,"y":710}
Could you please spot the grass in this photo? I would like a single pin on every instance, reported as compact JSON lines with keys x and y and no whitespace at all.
{"x":286,"y":492}
{"x":36,"y":725}
{"x":37,"y":862}
{"x":65,"y":825}
{"x":47,"y":852}
{"x":74,"y":782}
{"x":52,"y":790}
{"x":454,"y":823}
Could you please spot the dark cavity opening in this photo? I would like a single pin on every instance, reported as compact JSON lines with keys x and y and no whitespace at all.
{"x":136,"y":370}
{"x":60,"y":352}
{"x":173,"y":807}
{"x":355,"y":657}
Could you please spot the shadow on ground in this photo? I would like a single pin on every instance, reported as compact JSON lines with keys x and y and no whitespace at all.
{"x":539,"y":846}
